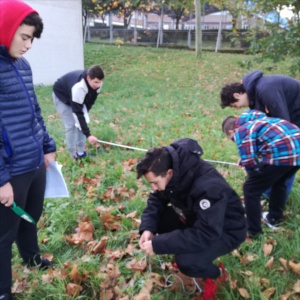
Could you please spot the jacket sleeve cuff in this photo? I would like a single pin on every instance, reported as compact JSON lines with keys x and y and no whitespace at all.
{"x":158,"y":245}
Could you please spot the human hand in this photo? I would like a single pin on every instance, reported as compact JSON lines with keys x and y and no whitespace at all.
{"x":92,"y":139}
{"x":48,"y":158}
{"x":240,"y":165}
{"x":146,"y":236}
{"x":148,"y":249}
{"x":6,"y":194}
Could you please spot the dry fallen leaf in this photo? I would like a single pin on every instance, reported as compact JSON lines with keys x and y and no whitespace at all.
{"x":248,"y":273}
{"x":265,"y":282}
{"x":46,"y":279}
{"x":267,"y":249}
{"x":107,"y":294}
{"x":233,"y":284}
{"x":137,"y":266}
{"x":73,"y":289}
{"x":294,"y":267}
{"x":248,"y":258}
{"x":269,"y":265}
{"x":269,"y":292}
{"x":100,"y":247}
{"x":297,"y":287}
{"x":283,"y":263}
{"x":285,"y":296}
{"x":113,"y":271}
{"x":243,"y":292}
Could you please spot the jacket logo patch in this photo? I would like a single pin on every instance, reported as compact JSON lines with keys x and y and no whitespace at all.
{"x":204,"y":204}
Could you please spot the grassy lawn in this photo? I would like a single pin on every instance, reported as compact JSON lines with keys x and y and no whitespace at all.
{"x":150,"y":97}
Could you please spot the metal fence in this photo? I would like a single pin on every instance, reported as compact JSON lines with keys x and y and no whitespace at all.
{"x":182,"y":38}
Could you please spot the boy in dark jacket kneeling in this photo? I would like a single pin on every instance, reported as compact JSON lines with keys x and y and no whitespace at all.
{"x":193,"y":212}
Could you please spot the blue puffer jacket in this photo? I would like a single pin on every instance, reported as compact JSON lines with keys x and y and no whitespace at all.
{"x":23,"y":136}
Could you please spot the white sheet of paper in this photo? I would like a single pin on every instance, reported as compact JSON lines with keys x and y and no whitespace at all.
{"x":55,"y":183}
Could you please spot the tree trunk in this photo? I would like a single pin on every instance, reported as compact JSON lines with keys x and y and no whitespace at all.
{"x":198,"y":29}
{"x":177,"y":23}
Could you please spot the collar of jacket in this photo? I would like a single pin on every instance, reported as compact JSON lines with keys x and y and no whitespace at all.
{"x":4,"y":53}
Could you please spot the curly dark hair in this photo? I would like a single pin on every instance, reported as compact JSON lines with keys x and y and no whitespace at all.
{"x":157,"y":160}
{"x":227,"y":93}
{"x":35,"y":20}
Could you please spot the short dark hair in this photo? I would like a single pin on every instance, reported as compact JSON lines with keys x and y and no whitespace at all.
{"x":227,"y":93}
{"x":35,"y":20}
{"x":157,"y":160}
{"x":95,"y":72}
{"x":228,"y":124}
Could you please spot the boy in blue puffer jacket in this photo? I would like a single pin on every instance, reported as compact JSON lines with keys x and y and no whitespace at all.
{"x":269,"y":149}
{"x":25,"y":145}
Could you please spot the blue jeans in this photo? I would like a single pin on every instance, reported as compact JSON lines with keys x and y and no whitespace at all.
{"x":289,"y":184}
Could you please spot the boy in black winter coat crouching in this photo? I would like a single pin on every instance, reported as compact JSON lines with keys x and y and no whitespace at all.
{"x":193,"y":212}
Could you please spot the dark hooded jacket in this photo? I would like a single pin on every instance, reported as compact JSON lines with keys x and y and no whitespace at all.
{"x":276,"y":95}
{"x":23,"y":136}
{"x":201,"y":197}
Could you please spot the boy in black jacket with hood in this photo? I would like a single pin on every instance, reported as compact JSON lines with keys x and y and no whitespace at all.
{"x":206,"y":218}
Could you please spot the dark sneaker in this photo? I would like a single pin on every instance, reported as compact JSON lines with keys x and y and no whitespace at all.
{"x":272,"y":223}
{"x":5,"y":297}
{"x":45,"y":264}
{"x":81,"y":156}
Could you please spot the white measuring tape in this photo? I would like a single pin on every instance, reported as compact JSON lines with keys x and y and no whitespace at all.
{"x":145,"y":150}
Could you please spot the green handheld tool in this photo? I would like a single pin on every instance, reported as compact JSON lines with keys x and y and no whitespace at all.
{"x":20,"y":212}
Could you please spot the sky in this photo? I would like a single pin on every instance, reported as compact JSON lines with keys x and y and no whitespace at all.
{"x":286,"y":13}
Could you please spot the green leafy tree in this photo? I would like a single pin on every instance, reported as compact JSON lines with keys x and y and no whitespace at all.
{"x":89,"y":7}
{"x":277,"y":42}
{"x":179,"y":9}
{"x":124,"y":8}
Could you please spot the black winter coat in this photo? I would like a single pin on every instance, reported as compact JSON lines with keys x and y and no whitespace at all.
{"x":276,"y":95}
{"x":199,"y":195}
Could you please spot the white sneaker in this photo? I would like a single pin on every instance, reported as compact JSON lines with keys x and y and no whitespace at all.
{"x":267,"y":222}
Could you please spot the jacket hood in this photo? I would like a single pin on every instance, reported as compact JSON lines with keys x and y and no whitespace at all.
{"x":184,"y":164}
{"x":249,"y":83}
{"x":12,"y":13}
{"x":249,"y":116}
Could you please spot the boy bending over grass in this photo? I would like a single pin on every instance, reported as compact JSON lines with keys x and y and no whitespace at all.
{"x":269,"y":149}
{"x":276,"y":95}
{"x":193,"y":212}
{"x":74,"y":94}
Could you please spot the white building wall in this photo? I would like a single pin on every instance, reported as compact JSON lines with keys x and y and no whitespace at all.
{"x":60,"y":48}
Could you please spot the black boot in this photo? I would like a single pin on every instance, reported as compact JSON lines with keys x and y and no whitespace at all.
{"x":45,"y":264}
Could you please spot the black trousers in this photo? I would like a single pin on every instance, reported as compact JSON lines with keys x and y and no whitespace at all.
{"x":194,"y":264}
{"x":259,"y":181}
{"x":29,"y":189}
